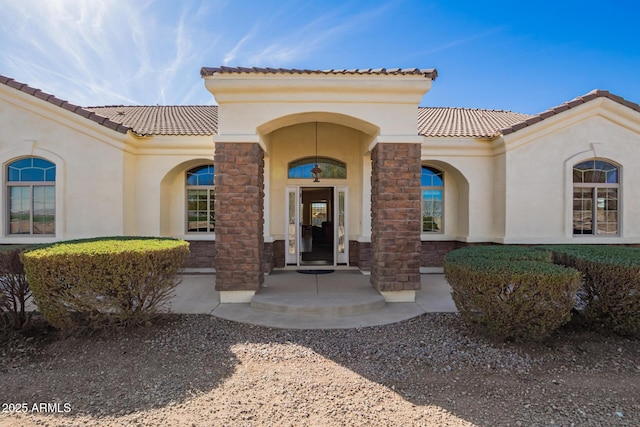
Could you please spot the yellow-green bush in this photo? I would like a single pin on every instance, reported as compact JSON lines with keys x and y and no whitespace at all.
{"x":104,"y":282}
{"x":513,"y":293}
{"x":610,"y":294}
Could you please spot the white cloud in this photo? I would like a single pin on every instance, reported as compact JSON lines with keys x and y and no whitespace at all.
{"x":106,"y":52}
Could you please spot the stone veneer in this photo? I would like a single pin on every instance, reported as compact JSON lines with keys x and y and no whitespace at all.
{"x":239,"y":209}
{"x":273,"y":255}
{"x":395,"y":217}
{"x":201,"y":254}
{"x":432,"y":253}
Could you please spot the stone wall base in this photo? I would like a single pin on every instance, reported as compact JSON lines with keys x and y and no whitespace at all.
{"x":202,"y":254}
{"x":432,"y":254}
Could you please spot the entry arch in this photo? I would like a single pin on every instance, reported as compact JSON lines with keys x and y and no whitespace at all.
{"x":367,"y":128}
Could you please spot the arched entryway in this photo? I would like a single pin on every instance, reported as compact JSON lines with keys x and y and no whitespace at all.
{"x":317,"y":222}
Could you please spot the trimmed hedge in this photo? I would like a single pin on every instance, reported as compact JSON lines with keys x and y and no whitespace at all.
{"x":610,"y":294}
{"x":95,"y":283}
{"x":513,"y":293}
{"x":14,"y":288}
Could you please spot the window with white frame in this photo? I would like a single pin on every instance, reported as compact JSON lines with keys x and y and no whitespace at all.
{"x":432,"y":182}
{"x":595,"y":198}
{"x":200,"y":200}
{"x":31,"y":189}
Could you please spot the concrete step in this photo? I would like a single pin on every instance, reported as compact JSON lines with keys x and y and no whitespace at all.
{"x":308,"y":304}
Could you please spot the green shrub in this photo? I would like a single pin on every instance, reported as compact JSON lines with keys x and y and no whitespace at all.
{"x":14,"y":289}
{"x":513,"y":293}
{"x":610,"y":294}
{"x":96,"y":283}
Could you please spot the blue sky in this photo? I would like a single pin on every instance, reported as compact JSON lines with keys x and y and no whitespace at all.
{"x":518,"y":56}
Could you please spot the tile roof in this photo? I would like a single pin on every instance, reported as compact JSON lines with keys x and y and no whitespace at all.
{"x":102,"y":120}
{"x":431,"y":73}
{"x":203,"y":119}
{"x":164,"y":119}
{"x":596,"y":93}
{"x":465,"y":122}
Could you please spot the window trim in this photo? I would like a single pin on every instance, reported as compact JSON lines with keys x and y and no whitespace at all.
{"x":209,"y":189}
{"x":594,"y":187}
{"x":30,"y":185}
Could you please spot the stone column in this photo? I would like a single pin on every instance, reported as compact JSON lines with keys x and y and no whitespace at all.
{"x":239,"y":207}
{"x":395,"y":220}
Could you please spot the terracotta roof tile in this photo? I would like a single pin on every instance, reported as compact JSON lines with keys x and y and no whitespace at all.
{"x":596,"y":93}
{"x":163,"y":120}
{"x":465,"y":122}
{"x":61,"y":103}
{"x":431,"y":73}
{"x":203,"y":120}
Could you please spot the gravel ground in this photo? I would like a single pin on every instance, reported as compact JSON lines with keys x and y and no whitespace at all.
{"x":431,"y":370}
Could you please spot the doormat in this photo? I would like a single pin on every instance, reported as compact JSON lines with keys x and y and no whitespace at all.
{"x":315,"y":271}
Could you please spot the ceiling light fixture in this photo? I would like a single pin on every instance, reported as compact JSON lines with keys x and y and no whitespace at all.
{"x":316,"y":171}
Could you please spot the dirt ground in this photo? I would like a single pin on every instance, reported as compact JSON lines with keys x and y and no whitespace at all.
{"x":431,"y":370}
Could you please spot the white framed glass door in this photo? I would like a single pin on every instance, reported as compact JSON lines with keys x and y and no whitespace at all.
{"x":316,"y":226}
{"x":292,"y":230}
{"x":341,"y":246}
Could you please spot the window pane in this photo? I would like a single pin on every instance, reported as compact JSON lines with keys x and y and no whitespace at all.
{"x":330,"y":168}
{"x":292,"y":223}
{"x":32,"y":174}
{"x":595,"y":171}
{"x":200,"y":210}
{"x":432,"y":210}
{"x":583,"y":211}
{"x":31,"y":170}
{"x":200,"y":201}
{"x":212,"y":216}
{"x":607,"y":211}
{"x":43,"y":210}
{"x":20,"y":210}
{"x":201,"y":175}
{"x":431,"y":177}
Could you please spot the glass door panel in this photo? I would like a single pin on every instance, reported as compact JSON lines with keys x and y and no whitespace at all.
{"x":341,"y":241}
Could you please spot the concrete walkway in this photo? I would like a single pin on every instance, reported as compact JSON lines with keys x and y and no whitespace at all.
{"x":291,"y":300}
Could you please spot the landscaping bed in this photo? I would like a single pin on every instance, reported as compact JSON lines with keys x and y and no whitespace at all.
{"x":431,"y":370}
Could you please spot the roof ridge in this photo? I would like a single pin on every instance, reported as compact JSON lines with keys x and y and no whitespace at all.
{"x":148,"y":106}
{"x":47,"y":97}
{"x":431,"y":73}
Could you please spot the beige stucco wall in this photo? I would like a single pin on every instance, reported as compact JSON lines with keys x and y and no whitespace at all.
{"x":107,"y":183}
{"x":539,"y":162}
{"x":90,"y":167}
{"x":513,"y":189}
{"x":161,"y":166}
{"x":469,"y":181}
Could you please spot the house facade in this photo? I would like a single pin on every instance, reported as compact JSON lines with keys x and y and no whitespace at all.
{"x":396,"y":186}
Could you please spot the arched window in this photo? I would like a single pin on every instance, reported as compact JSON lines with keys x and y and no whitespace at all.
{"x":31,"y":185}
{"x":595,"y":198}
{"x":432,"y":182}
{"x":331,"y":168}
{"x":200,"y":200}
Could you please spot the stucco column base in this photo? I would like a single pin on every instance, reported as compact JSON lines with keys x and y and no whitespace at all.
{"x":399,"y":296}
{"x":236,"y":297}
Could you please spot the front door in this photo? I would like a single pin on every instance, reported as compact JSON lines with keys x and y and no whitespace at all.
{"x":316,"y":226}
